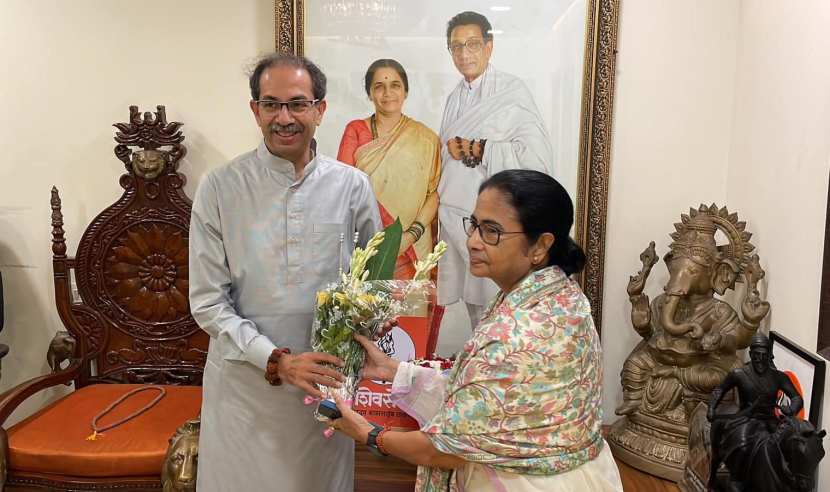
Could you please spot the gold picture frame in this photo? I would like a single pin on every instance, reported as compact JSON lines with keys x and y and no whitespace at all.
{"x":595,"y":127}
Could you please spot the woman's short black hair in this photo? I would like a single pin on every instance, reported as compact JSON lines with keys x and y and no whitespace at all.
{"x":384,"y":63}
{"x":543,"y":205}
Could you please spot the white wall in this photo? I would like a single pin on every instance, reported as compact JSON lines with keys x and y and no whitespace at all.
{"x":780,"y":153}
{"x":675,"y":77}
{"x":779,"y":161}
{"x":72,"y":69}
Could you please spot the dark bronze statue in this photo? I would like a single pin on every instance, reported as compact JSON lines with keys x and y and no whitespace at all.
{"x":765,"y":447}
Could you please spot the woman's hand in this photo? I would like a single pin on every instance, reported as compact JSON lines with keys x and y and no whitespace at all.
{"x":378,"y":366}
{"x":407,"y":240}
{"x":352,"y":423}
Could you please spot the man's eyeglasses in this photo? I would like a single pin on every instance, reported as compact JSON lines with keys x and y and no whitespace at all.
{"x":297,"y":106}
{"x":473,"y":45}
{"x":489,"y":233}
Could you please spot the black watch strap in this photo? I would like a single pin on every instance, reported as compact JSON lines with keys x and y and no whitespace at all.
{"x":372,"y":440}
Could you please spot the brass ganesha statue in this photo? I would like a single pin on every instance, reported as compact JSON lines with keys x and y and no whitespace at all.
{"x":690,"y":338}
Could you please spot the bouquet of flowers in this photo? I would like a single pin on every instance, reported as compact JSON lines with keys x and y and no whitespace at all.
{"x":360,"y":302}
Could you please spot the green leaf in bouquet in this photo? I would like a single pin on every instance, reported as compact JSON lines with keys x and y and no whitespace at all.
{"x":382,"y":265}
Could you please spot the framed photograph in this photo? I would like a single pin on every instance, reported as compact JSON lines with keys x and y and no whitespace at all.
{"x":806,"y":371}
{"x":562,"y":50}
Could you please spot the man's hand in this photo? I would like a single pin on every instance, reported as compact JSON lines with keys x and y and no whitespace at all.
{"x":305,"y":370}
{"x":455,"y":148}
{"x":378,"y":366}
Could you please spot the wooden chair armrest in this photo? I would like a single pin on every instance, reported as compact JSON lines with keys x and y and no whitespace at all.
{"x":11,"y":399}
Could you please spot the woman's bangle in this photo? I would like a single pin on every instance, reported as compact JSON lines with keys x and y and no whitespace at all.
{"x":416,"y":229}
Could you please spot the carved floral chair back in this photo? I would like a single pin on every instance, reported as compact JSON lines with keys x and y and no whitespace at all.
{"x":128,"y":327}
{"x":133,"y":315}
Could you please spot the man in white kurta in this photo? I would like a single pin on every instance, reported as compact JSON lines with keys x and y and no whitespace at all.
{"x":264,"y":237}
{"x":489,"y":105}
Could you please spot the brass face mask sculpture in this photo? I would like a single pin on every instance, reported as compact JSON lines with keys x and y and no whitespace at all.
{"x":148,"y":163}
{"x":179,"y":469}
{"x":690,"y":337}
{"x":149,"y":145}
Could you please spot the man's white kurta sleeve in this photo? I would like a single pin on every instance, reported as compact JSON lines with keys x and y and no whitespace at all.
{"x":237,"y":338}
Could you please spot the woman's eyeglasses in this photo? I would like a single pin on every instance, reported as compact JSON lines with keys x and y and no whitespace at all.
{"x":298,"y":106}
{"x":489,"y":233}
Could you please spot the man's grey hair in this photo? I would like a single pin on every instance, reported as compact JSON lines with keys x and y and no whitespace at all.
{"x":318,"y":78}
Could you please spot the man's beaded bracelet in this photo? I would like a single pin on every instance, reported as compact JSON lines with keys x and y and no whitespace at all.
{"x":272,"y":368}
{"x":468,"y":159}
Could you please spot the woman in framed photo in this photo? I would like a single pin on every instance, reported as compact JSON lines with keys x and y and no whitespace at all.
{"x":402,"y":158}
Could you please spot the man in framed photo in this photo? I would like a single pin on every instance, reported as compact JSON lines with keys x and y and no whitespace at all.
{"x":490,"y":123}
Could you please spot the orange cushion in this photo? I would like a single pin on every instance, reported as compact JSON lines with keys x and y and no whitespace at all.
{"x":53,"y":440}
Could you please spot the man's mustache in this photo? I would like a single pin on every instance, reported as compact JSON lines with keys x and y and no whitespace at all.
{"x":291,"y":127}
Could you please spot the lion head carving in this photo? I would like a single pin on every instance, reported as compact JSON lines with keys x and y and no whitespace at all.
{"x":178,"y":472}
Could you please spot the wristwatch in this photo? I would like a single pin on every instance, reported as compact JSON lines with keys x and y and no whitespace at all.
{"x":372,"y":441}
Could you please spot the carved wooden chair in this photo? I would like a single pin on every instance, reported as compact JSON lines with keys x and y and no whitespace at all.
{"x":131,"y":326}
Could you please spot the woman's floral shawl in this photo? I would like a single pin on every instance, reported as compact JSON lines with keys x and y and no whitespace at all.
{"x":525,"y":394}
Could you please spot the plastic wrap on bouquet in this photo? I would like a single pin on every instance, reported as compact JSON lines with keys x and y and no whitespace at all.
{"x":347,"y":307}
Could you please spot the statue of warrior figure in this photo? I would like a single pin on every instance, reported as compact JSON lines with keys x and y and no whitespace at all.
{"x":765,"y":448}
{"x":690,"y":338}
